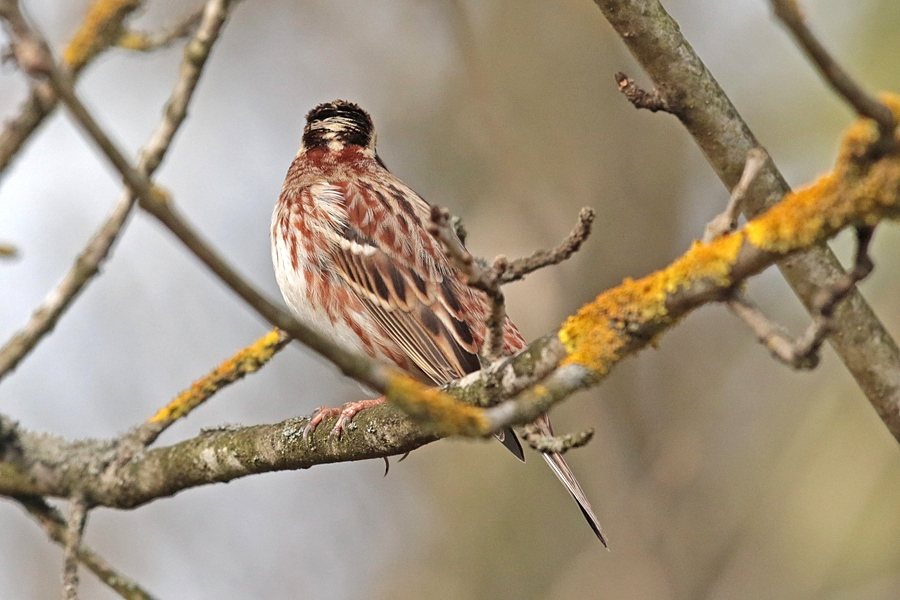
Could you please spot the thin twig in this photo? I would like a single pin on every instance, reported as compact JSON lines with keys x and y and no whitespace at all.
{"x":520,"y":267}
{"x":866,"y":105}
{"x":74,"y":532}
{"x":143,"y":41}
{"x":555,"y":444}
{"x":502,"y":271}
{"x":727,"y":220}
{"x":641,"y":98}
{"x":803,"y":353}
{"x":88,"y":262}
{"x":55,"y":525}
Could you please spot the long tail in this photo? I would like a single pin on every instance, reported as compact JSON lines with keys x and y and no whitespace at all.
{"x":564,"y":474}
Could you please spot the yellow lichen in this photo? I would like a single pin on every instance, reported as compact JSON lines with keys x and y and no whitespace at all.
{"x":863,"y":188}
{"x":245,"y":361}
{"x":101,"y":28}
{"x":434,"y":408}
{"x":595,"y":336}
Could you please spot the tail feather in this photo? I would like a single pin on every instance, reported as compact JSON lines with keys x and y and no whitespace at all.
{"x":508,"y":438}
{"x":564,"y":473}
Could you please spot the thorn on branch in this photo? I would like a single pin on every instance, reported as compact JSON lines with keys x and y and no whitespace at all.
{"x":727,"y":220}
{"x":558,"y":444}
{"x":866,"y":105}
{"x":804,"y":352}
{"x":639,"y":97}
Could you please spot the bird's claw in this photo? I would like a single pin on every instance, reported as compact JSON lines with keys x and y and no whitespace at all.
{"x":344,"y":416}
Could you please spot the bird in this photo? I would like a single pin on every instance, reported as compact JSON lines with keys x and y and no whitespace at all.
{"x":355,"y":260}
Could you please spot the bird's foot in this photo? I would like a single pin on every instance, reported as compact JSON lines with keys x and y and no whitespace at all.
{"x":344,"y":414}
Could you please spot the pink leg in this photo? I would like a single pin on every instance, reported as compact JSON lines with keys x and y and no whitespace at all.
{"x":344,"y":414}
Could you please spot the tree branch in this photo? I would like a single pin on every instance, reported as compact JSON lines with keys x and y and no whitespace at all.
{"x":99,"y":30}
{"x":88,"y":262}
{"x":865,"y":105}
{"x":55,"y":526}
{"x":693,"y":95}
{"x":74,"y":532}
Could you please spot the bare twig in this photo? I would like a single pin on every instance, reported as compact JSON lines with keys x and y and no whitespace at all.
{"x":804,"y":352}
{"x":74,"y":533}
{"x":640,"y":98}
{"x":502,"y":271}
{"x":55,"y":526}
{"x":142,"y":41}
{"x":88,"y":262}
{"x":558,"y":444}
{"x":866,"y":105}
{"x":727,"y":221}
{"x":800,"y":354}
{"x":520,"y":267}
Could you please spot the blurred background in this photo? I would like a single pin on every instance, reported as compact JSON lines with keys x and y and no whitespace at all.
{"x":716,"y":472}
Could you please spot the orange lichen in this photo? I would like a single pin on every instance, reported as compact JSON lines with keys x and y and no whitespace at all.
{"x":101,"y":28}
{"x":434,"y":408}
{"x":245,"y":361}
{"x":863,"y":189}
{"x":596,"y":335}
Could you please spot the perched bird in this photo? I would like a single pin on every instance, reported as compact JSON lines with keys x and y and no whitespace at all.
{"x":355,"y":260}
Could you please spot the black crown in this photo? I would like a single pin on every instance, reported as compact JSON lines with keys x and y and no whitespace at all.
{"x":339,"y":121}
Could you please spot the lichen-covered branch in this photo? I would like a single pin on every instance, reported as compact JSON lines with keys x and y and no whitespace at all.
{"x":689,"y":91}
{"x":49,"y":466}
{"x":247,"y":360}
{"x":619,"y":323}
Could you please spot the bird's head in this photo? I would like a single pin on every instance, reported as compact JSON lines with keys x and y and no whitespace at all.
{"x":336,"y":125}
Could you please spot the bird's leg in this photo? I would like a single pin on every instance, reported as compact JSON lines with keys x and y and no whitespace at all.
{"x":344,"y":414}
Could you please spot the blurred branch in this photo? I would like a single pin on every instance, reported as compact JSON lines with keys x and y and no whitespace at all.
{"x":559,"y":444}
{"x":865,"y":105}
{"x":55,"y":526}
{"x":102,"y":24}
{"x":727,"y":220}
{"x":75,"y":524}
{"x":693,"y":95}
{"x":88,"y":262}
{"x":142,"y":41}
